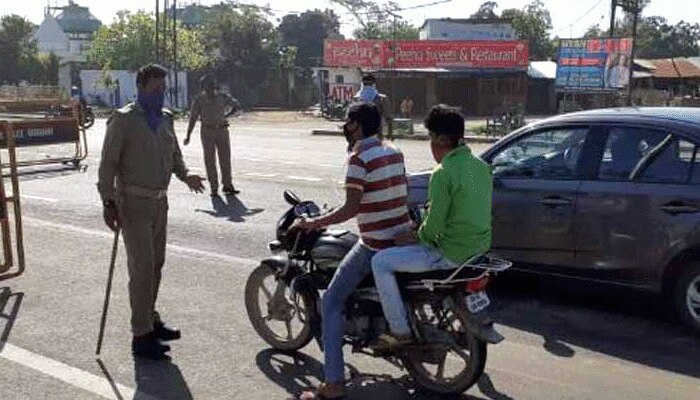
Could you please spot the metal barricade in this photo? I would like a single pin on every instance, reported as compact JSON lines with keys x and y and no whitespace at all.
{"x":44,"y":122}
{"x":7,"y":135}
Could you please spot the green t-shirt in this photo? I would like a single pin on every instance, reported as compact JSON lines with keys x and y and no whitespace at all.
{"x":458,"y":220}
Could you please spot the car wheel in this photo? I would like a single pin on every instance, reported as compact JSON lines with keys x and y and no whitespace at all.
{"x":687,"y":296}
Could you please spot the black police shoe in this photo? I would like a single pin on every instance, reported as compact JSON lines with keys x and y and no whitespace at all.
{"x":231,"y":191}
{"x":148,"y":346}
{"x":164,"y":332}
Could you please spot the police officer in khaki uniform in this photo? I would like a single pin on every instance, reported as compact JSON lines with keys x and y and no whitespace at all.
{"x":139,"y":155}
{"x":213,"y":108}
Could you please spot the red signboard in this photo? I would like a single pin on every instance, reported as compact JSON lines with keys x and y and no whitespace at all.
{"x":354,"y":53}
{"x":426,"y":54}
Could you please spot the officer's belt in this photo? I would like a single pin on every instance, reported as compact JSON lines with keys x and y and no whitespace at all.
{"x":156,"y":194}
{"x":215,"y":126}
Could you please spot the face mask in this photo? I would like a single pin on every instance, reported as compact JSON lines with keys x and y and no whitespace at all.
{"x":152,"y":102}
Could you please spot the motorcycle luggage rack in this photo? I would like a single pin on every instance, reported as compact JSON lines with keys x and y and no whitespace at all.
{"x":486,"y":263}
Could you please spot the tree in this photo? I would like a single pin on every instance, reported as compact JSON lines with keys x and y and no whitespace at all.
{"x":129,"y":43}
{"x":486,"y":11}
{"x":306,"y":32}
{"x":656,"y":38}
{"x":241,"y":36}
{"x":378,"y":21}
{"x":18,"y":49}
{"x":533,"y":23}
{"x":402,"y":30}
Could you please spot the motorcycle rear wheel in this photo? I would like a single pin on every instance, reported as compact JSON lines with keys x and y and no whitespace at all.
{"x":277,"y":310}
{"x":428,"y":365}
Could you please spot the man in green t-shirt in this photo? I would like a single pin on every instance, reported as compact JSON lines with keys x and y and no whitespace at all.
{"x":457,"y":225}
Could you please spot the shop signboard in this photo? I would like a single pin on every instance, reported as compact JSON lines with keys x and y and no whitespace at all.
{"x":593,"y":64}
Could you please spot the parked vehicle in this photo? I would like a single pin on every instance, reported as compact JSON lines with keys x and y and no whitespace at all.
{"x":334,"y":110}
{"x":605,"y":195}
{"x":87,"y":117}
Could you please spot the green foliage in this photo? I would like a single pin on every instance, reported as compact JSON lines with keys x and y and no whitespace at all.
{"x":533,"y":23}
{"x":21,"y":61}
{"x":486,"y":11}
{"x":306,"y":32}
{"x":129,"y":43}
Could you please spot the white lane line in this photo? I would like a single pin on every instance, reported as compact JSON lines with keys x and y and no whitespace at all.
{"x":260,"y":175}
{"x":84,"y":380}
{"x":46,"y":199}
{"x":304,"y":178}
{"x":325,"y":165}
{"x":175,"y":248}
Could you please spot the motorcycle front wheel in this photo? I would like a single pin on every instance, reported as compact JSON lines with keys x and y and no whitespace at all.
{"x":447,"y":367}
{"x":274,"y":315}
{"x":88,"y":120}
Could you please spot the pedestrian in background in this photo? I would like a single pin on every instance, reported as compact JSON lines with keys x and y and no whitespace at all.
{"x":369,"y":94}
{"x":214,"y":108}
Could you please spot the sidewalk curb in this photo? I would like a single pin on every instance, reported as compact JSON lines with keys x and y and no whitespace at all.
{"x":419,"y":137}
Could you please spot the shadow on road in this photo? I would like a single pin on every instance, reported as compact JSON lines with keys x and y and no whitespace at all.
{"x":159,"y":379}
{"x":9,"y":309}
{"x":623,"y":323}
{"x":154,"y":380}
{"x":231,"y":208}
{"x":50,"y":171}
{"x":297,"y":371}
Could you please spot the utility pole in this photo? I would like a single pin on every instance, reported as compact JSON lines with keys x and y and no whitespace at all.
{"x":157,"y":31}
{"x":634,"y":7}
{"x":612,"y":18}
{"x":177,"y":94}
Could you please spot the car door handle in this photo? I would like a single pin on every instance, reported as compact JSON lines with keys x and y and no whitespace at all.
{"x":556,"y":201}
{"x":678,"y":208}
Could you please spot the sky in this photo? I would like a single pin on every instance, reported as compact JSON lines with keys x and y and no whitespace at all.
{"x":570,"y":18}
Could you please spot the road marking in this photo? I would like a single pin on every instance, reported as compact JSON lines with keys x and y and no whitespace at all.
{"x":325,"y":165}
{"x":76,"y":377}
{"x":46,"y":199}
{"x":260,"y":175}
{"x":304,"y":178}
{"x":175,"y":248}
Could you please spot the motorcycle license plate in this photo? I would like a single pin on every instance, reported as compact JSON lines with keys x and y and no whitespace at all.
{"x":478,"y":302}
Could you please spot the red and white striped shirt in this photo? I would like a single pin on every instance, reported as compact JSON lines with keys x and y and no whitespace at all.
{"x":378,"y":169}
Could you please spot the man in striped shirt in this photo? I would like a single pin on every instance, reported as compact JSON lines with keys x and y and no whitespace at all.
{"x":376,"y":194}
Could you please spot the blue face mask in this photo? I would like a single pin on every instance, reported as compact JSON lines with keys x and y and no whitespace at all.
{"x":152,"y":103}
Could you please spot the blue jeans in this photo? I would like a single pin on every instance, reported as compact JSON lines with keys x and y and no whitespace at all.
{"x":413,"y":259}
{"x":352,"y":270}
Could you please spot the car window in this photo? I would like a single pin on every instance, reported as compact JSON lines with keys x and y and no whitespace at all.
{"x":551,"y":155}
{"x":626,"y":147}
{"x":670,"y":162}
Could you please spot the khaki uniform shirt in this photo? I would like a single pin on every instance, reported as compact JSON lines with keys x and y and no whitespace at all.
{"x":135,"y":155}
{"x":213,"y":109}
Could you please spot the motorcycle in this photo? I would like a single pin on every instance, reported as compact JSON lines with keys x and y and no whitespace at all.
{"x":447,"y":309}
{"x":334,"y":110}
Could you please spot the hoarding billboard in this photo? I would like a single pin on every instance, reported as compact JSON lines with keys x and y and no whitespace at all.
{"x":593,"y":64}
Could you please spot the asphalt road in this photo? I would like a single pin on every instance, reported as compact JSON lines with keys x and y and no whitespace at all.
{"x":562,"y":341}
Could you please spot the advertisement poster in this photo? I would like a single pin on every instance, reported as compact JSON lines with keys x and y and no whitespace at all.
{"x":343,"y":92}
{"x":593,"y":64}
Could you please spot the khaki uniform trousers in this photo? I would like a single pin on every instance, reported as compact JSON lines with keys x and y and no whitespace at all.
{"x":144,"y":224}
{"x":217,"y":142}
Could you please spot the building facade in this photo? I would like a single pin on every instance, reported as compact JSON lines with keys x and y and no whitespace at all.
{"x":467,"y":29}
